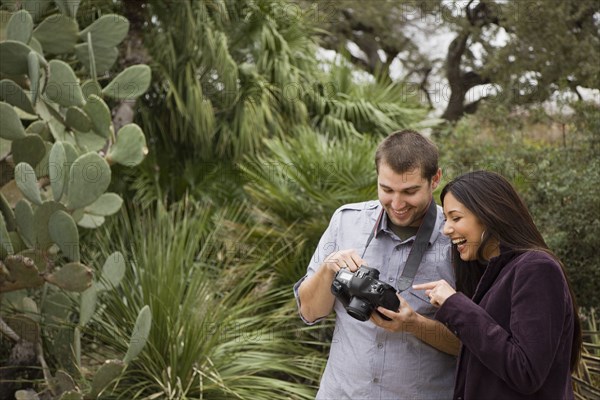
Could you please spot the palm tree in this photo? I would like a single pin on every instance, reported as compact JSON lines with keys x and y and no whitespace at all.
{"x":222,"y":73}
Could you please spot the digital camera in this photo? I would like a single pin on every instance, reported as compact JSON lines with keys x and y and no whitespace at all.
{"x":361,"y":292}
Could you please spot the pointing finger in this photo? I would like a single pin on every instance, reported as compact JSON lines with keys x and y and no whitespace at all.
{"x":428,"y":285}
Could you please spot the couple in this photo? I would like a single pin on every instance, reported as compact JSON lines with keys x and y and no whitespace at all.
{"x":487,"y":289}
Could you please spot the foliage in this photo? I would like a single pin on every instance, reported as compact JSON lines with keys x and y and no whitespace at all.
{"x":564,"y":199}
{"x":381,"y":30}
{"x":220,"y":327}
{"x":297,"y":185}
{"x":59,"y":133}
{"x":248,"y":73}
{"x":524,"y":51}
{"x":553,"y":178}
{"x":345,"y":105}
{"x":224,"y":68}
{"x":541,"y":57}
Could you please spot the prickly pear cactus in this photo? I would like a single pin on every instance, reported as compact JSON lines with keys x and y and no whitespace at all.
{"x":56,"y":132}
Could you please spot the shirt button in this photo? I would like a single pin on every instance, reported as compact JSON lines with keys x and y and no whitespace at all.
{"x":391,"y":279}
{"x":379,"y":345}
{"x":375,"y":380}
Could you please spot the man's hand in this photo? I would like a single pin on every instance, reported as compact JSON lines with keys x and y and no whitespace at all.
{"x":316,"y":299}
{"x":438,"y":291}
{"x":428,"y":330}
{"x":348,"y":258}
{"x":401,"y":320}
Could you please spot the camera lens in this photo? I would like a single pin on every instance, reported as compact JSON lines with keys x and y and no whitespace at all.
{"x":359,"y":309}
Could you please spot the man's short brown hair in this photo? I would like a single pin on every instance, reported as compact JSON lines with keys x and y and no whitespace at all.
{"x":406,"y":150}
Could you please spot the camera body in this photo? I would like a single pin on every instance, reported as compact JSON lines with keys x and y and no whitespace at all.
{"x":362,"y":291}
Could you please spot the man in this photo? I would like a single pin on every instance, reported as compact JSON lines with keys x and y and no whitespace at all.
{"x":410,"y":356}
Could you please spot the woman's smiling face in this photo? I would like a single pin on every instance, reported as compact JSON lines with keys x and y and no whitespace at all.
{"x":463,"y":228}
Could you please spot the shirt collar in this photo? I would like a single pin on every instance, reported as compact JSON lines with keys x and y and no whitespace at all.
{"x":382,"y":224}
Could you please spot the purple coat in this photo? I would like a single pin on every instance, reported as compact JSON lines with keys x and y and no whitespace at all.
{"x":516,"y":333}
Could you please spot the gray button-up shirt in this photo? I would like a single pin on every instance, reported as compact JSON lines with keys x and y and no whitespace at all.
{"x":365,"y":361}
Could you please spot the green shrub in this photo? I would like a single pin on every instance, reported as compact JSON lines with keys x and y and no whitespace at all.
{"x":221,"y":329}
{"x":298,"y":183}
{"x":558,"y":179}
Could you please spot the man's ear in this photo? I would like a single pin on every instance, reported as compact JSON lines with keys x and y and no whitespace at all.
{"x":436,"y":179}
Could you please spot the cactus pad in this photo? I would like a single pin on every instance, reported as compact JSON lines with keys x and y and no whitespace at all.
{"x":130,"y":147}
{"x":11,"y":127}
{"x":27,"y":182}
{"x":63,"y":232}
{"x":74,"y":277}
{"x":89,"y":177}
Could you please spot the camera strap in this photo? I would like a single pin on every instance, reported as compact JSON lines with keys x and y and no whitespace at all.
{"x":418,"y":249}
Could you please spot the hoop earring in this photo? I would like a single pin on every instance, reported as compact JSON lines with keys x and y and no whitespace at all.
{"x":482,"y":233}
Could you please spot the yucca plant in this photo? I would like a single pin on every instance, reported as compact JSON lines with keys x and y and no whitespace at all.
{"x":298,"y":183}
{"x":220,"y":329}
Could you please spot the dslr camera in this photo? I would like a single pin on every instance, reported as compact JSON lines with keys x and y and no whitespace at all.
{"x":361,"y":292}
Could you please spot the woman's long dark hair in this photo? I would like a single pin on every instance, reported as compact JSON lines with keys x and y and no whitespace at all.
{"x":492,"y":199}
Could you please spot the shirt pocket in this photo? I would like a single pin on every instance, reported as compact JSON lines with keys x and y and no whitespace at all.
{"x":419,"y":302}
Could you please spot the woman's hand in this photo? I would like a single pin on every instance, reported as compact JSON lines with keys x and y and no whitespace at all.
{"x":438,"y":291}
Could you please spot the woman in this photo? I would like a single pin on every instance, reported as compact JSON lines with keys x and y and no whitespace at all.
{"x":515,"y":312}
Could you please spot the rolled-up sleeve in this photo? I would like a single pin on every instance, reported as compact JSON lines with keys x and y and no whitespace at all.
{"x":327,"y":245}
